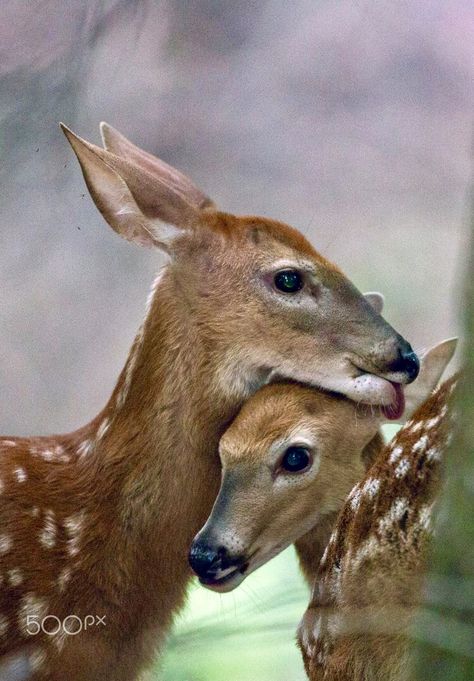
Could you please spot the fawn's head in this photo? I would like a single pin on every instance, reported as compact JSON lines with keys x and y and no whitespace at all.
{"x":267,"y":305}
{"x":289,"y":458}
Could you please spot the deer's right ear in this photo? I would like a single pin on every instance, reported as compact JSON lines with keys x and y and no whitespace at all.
{"x":141,"y":206}
{"x":433,"y":362}
{"x":375,"y":300}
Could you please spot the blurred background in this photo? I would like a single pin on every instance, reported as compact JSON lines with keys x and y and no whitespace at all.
{"x":349,"y":120}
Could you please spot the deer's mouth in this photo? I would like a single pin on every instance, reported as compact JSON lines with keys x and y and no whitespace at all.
{"x":225,"y":580}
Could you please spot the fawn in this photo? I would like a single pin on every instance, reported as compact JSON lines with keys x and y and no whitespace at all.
{"x":370,"y":578}
{"x":289,"y":460}
{"x":96,"y":524}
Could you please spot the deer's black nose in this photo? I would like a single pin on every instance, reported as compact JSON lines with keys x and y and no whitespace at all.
{"x":205,"y":559}
{"x":407,"y":363}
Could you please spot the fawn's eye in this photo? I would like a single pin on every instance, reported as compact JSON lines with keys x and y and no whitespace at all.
{"x":296,"y":460}
{"x":288,"y":281}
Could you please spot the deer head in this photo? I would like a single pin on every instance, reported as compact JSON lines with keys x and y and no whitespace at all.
{"x":263,"y":301}
{"x":289,"y":459}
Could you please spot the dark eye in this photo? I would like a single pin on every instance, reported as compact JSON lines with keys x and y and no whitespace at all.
{"x":288,"y":281}
{"x":296,"y":459}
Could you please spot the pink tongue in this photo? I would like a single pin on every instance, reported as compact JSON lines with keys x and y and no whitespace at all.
{"x":394,"y":410}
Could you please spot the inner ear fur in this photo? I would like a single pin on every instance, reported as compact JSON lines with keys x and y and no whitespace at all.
{"x":145,"y":207}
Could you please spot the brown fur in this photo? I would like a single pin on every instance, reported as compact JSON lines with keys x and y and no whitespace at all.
{"x":144,"y":473}
{"x":369,"y":581}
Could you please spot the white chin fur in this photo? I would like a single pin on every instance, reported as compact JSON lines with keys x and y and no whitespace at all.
{"x":227,"y":586}
{"x":366,"y":388}
{"x":370,"y":389}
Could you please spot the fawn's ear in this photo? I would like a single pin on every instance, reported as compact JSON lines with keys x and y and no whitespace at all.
{"x":119,"y":145}
{"x":144,"y":207}
{"x":433,"y":362}
{"x":376,"y":300}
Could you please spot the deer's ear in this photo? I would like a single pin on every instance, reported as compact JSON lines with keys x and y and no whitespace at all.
{"x":376,"y":300}
{"x":119,"y":145}
{"x":138,"y":205}
{"x":433,"y":362}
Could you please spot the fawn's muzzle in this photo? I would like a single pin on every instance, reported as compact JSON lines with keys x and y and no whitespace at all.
{"x":214,"y":564}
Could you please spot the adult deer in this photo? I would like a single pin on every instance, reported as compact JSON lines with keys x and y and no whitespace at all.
{"x":98,"y":523}
{"x":289,"y":460}
{"x":370,"y":579}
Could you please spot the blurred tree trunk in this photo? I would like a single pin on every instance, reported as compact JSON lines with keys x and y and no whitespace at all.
{"x":445,"y":629}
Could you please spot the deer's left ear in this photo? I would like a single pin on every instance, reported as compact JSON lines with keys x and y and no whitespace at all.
{"x":144,"y":206}
{"x":119,"y":145}
{"x":376,"y":300}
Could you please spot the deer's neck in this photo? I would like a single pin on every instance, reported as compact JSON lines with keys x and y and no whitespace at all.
{"x":153,"y":458}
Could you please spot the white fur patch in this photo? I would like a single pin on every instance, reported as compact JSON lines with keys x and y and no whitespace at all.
{"x":395,"y":454}
{"x":371,"y":487}
{"x":74,"y":525}
{"x":15,"y":577}
{"x":421,"y":444}
{"x":85,"y":448}
{"x":63,"y":579}
{"x":402,"y":468}
{"x":5,"y":543}
{"x":20,"y":474}
{"x":3,"y":625}
{"x":47,"y":535}
{"x":31,"y":607}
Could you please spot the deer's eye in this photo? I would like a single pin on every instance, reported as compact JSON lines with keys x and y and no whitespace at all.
{"x":296,"y":460}
{"x":288,"y":281}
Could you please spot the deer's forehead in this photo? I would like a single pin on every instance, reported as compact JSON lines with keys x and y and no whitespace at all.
{"x":265,"y":239}
{"x":259,"y":444}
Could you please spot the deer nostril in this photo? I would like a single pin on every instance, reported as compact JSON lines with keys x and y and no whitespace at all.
{"x":407,"y":363}
{"x":204,"y":558}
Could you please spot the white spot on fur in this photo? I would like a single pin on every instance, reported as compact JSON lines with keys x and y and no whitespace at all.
{"x":3,"y":625}
{"x":37,"y":658}
{"x":433,"y":454}
{"x":7,"y":443}
{"x":33,"y":607}
{"x":424,"y":517}
{"x":366,"y":550}
{"x":395,"y":454}
{"x":73,"y":526}
{"x":2,"y":486}
{"x":432,"y":422}
{"x":47,"y":454}
{"x":416,"y":426}
{"x":355,"y":499}
{"x":371,"y":487}
{"x":402,"y":469}
{"x":60,"y":639}
{"x":47,"y":535}
{"x":34,"y":511}
{"x":396,"y":511}
{"x":103,"y":428}
{"x":63,"y":579}
{"x":20,"y":474}
{"x":5,"y":543}
{"x":421,"y":444}
{"x":317,"y":629}
{"x":85,"y":448}
{"x":324,"y":557}
{"x":15,"y":577}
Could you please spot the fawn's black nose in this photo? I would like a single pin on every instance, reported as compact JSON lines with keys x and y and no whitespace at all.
{"x":206,"y":559}
{"x":407,"y":363}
